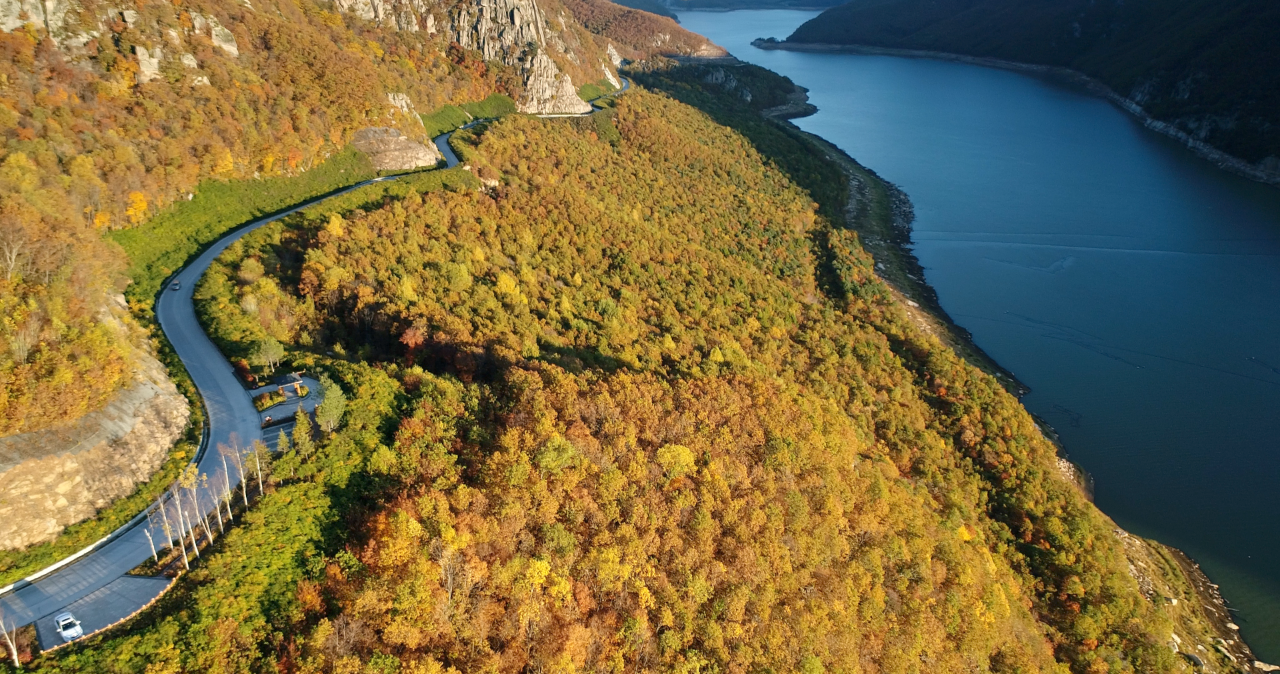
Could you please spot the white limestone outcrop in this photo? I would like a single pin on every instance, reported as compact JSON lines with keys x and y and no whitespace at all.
{"x":547,"y":91}
{"x":391,"y":150}
{"x":148,"y":63}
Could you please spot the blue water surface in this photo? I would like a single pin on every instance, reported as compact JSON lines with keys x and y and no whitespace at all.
{"x":1130,"y":284}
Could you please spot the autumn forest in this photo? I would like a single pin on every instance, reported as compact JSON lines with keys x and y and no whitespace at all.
{"x":621,"y":393}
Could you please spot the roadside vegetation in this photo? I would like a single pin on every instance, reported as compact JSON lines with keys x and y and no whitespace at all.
{"x":593,"y":90}
{"x":451,"y":117}
{"x":165,"y":167}
{"x":655,"y":413}
{"x":155,"y":251}
{"x":172,"y":238}
{"x":88,"y":148}
{"x":268,"y":400}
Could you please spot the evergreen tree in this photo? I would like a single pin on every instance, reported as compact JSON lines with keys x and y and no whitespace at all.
{"x":302,"y":433}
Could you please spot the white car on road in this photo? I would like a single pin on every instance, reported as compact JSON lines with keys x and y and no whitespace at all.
{"x":68,"y":627}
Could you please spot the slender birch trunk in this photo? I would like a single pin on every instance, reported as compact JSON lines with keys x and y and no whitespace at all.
{"x":186,"y":562}
{"x":8,"y":628}
{"x":226,"y":480}
{"x":244,"y":481}
{"x":217,"y":509}
{"x":191,"y":531}
{"x":154,"y":554}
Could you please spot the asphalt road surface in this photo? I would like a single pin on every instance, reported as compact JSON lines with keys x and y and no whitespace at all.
{"x":96,"y":587}
{"x":94,"y":584}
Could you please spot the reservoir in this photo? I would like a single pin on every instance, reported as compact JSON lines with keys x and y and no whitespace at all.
{"x":1133,"y":286}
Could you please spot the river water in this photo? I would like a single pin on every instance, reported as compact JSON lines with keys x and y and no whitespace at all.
{"x":1130,"y":284}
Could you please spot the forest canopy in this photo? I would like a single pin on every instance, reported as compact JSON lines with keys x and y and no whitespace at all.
{"x":90,"y":144}
{"x":637,"y":429}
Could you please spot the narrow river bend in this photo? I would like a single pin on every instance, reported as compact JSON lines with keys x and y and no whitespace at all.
{"x":1133,"y":286}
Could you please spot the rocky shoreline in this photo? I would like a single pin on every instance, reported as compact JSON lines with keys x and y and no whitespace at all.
{"x":1223,"y":160}
{"x":1218,"y":614}
{"x":890,"y":244}
{"x":1205,"y":625}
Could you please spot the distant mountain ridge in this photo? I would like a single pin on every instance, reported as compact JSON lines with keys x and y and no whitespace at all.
{"x":1208,"y":68}
{"x":695,"y":5}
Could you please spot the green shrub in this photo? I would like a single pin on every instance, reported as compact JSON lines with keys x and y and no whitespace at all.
{"x":590,"y":91}
{"x":268,"y":400}
{"x":444,"y":120}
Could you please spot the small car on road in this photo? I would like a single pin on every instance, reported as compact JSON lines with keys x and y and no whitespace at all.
{"x":175,"y":285}
{"x":68,"y":627}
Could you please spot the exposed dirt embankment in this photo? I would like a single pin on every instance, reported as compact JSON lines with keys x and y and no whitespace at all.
{"x":53,"y":478}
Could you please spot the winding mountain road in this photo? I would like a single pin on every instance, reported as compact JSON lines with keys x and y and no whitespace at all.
{"x":94,"y":584}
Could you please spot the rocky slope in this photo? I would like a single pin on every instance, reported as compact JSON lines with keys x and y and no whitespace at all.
{"x":53,"y":478}
{"x":391,"y":150}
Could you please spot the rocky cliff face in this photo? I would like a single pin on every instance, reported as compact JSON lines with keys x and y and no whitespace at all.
{"x":406,"y":15}
{"x":515,"y":33}
{"x":548,"y":91}
{"x":500,"y":29}
{"x":391,"y":150}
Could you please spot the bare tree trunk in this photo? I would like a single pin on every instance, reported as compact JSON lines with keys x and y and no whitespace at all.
{"x":217,"y":509}
{"x":226,"y":480}
{"x":244,"y":482}
{"x":8,"y":628}
{"x":154,"y":554}
{"x":182,"y":534}
{"x":204,"y":517}
{"x":191,"y":531}
{"x":10,"y":252}
{"x":168,"y":532}
{"x":25,"y":338}
{"x":261,"y":492}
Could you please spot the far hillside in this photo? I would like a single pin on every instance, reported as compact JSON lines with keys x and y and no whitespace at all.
{"x":638,"y":30}
{"x":694,"y":5}
{"x":1209,"y":67}
{"x":651,"y":6}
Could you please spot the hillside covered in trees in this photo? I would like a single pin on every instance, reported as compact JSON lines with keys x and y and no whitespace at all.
{"x":623,"y":394}
{"x":625,"y":398}
{"x":112,"y":116}
{"x":678,"y":6}
{"x":1211,"y":68}
{"x":641,"y":33}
